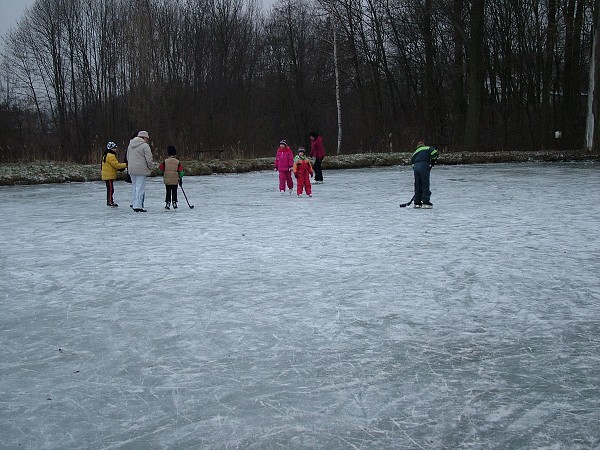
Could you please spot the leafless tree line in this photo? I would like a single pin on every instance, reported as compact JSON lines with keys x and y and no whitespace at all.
{"x":216,"y":77}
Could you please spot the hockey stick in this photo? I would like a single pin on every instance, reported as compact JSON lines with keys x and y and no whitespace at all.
{"x":404,"y":205}
{"x":186,"y":199}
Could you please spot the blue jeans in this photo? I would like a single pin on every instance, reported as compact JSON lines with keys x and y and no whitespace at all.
{"x":422,"y":192}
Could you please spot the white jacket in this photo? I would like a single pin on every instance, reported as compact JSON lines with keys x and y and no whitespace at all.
{"x":139,"y":157}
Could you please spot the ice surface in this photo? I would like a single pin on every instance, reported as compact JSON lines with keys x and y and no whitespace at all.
{"x":263,"y":321}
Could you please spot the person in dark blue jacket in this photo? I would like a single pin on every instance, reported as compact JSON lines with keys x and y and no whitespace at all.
{"x":423,"y":159}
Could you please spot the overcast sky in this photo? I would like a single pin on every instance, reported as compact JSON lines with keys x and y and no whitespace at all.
{"x":10,"y":12}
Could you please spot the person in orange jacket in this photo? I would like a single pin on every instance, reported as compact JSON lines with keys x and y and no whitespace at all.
{"x":304,"y":172}
{"x":110,"y":166}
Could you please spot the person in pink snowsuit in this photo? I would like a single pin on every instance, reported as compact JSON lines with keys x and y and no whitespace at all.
{"x":304,"y":172}
{"x":284,"y":161}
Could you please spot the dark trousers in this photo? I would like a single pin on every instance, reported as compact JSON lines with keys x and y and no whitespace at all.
{"x":317,"y":169}
{"x":422,"y":192}
{"x":171,"y":193}
{"x":110,"y":190}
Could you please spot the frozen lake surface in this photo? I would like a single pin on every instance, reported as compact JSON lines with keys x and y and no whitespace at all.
{"x":342,"y":321}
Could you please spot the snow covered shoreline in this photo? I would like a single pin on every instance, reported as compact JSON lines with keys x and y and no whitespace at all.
{"x":65,"y":172}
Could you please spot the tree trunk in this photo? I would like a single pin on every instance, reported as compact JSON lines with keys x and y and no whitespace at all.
{"x":475,"y":82}
{"x":593,"y":118}
{"x":429,"y":76}
{"x":572,"y":73}
{"x":596,"y":75}
{"x":548,"y":61}
{"x":458,"y":78}
{"x":337,"y":86}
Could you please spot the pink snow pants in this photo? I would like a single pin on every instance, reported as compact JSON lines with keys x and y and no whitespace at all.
{"x":285,"y":176}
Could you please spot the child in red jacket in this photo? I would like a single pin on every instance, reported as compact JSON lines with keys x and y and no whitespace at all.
{"x":304,"y":172}
{"x":284,"y":161}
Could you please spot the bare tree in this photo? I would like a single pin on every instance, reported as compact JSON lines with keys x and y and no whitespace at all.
{"x":547,"y":64}
{"x":458,"y":39}
{"x":476,"y":72}
{"x":337,"y":87}
{"x":592,"y":128}
{"x":330,"y":8}
{"x":222,"y":77}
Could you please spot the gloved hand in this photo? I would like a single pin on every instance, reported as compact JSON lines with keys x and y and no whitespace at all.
{"x":311,"y":175}
{"x":180,"y":181}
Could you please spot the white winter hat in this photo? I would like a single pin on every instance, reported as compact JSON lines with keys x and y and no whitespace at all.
{"x":143,"y":134}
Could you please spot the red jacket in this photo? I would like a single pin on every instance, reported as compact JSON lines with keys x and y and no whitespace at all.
{"x":284,"y":159}
{"x":316,"y":148}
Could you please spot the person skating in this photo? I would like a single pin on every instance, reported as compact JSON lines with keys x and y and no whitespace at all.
{"x":172,"y":172}
{"x":304,"y":172}
{"x":284,"y":161}
{"x":318,"y":152}
{"x":423,"y":159}
{"x":139,"y":166}
{"x":110,"y":166}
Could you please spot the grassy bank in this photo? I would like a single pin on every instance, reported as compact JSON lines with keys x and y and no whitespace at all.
{"x":62,"y":172}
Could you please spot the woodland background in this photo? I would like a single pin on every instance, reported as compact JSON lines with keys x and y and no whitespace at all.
{"x":230,"y":78}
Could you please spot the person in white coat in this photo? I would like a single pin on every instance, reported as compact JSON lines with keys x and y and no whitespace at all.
{"x":139,"y":166}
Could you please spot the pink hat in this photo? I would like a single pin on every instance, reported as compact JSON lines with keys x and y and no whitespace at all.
{"x":143,"y":134}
